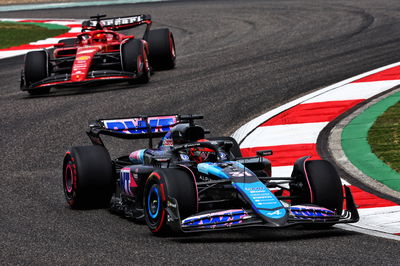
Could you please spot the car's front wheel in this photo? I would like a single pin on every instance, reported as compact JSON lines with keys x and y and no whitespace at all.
{"x":36,"y":68}
{"x":162,"y":185}
{"x":317,"y":183}
{"x":134,"y":59}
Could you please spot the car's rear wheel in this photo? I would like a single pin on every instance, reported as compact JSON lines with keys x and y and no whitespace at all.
{"x":318,"y":184}
{"x":134,"y":59}
{"x":36,"y":68}
{"x":162,"y":53}
{"x":161,"y":185}
{"x":88,"y":177}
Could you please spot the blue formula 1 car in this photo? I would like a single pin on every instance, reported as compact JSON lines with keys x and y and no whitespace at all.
{"x":189,"y":184}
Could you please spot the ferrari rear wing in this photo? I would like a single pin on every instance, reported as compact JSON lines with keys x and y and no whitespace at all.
{"x":137,"y":127}
{"x":117,"y":23}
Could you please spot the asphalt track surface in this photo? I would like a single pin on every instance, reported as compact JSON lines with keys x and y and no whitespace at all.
{"x":236,"y":60}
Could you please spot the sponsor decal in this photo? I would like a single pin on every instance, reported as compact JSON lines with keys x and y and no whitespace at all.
{"x":167,"y":142}
{"x":117,"y":21}
{"x":307,"y":212}
{"x":83,"y":57}
{"x":277,"y":212}
{"x":184,"y":157}
{"x":217,"y":219}
{"x":239,"y":174}
{"x":127,"y":181}
{"x":88,"y":51}
{"x":254,"y":188}
{"x":222,"y":156}
{"x":138,"y":125}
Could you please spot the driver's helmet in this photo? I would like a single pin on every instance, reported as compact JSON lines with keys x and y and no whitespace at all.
{"x":202,"y":154}
{"x":181,"y":134}
{"x":100,"y":38}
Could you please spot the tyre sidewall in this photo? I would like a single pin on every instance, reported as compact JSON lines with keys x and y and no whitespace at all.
{"x":162,"y":52}
{"x":93,"y":181}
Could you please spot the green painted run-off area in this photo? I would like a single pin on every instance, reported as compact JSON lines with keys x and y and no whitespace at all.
{"x":357,"y":149}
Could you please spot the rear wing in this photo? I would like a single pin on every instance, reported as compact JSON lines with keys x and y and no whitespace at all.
{"x":99,"y":22}
{"x":137,"y":127}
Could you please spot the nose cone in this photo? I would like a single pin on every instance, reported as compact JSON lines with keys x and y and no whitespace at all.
{"x":82,"y":62}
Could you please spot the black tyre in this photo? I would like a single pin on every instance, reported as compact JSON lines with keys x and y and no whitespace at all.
{"x":162,"y":184}
{"x":162,"y":54}
{"x":68,"y":42}
{"x":134,"y":59}
{"x":319,"y":185}
{"x":88,"y":177}
{"x":36,"y":68}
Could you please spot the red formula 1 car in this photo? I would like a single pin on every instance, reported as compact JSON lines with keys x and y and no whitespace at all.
{"x":100,"y":54}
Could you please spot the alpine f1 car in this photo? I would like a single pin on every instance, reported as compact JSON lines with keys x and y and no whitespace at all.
{"x":189,"y":184}
{"x":100,"y":54}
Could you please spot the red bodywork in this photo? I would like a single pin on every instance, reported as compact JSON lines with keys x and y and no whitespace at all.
{"x":87,"y":46}
{"x":94,"y":50}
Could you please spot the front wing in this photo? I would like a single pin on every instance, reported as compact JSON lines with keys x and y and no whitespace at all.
{"x":64,"y":80}
{"x":239,"y":218}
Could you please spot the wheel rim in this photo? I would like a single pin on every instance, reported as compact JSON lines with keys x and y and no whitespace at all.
{"x":172,"y":47}
{"x":139,"y":64}
{"x":69,"y":181}
{"x":154,"y":202}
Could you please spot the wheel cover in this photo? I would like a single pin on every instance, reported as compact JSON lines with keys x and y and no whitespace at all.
{"x":154,"y":202}
{"x":139,"y":64}
{"x":172,"y":47}
{"x":69,"y":181}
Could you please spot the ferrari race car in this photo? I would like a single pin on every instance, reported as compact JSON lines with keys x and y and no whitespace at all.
{"x":100,"y":54}
{"x":189,"y":184}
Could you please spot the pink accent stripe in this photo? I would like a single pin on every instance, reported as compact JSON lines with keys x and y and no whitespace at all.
{"x":195,"y":184}
{"x":308,"y":181}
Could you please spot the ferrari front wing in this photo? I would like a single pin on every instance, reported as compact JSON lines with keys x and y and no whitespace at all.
{"x":64,"y":80}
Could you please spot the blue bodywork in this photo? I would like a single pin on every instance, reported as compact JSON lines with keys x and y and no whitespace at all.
{"x":261,"y":199}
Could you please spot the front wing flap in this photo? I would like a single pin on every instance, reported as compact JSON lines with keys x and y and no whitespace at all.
{"x":239,"y":218}
{"x":64,"y":80}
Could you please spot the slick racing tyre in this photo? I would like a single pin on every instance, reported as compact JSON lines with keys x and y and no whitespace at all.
{"x":68,"y":42}
{"x":162,"y":185}
{"x":36,"y":68}
{"x":318,"y":185}
{"x":162,"y":52}
{"x":134,"y":59}
{"x":88,"y":177}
